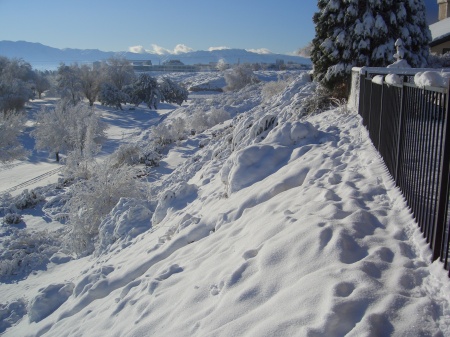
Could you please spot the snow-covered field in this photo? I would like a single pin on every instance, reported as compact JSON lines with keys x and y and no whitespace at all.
{"x":268,"y":224}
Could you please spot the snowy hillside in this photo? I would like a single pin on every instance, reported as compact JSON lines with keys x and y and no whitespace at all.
{"x":271,"y":223}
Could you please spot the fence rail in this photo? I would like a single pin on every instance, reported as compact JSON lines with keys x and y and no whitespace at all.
{"x":410,"y":128}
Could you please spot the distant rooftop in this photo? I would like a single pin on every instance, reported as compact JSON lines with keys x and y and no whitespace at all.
{"x":440,"y":30}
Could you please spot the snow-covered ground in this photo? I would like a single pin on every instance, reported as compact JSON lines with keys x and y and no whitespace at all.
{"x":269,"y":224}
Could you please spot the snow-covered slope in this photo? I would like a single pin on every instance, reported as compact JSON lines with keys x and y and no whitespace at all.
{"x":269,"y":224}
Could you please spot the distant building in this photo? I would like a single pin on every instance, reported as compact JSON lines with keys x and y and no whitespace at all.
{"x":440,"y":31}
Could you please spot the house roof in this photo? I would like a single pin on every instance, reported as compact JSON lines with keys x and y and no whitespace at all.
{"x":440,"y":32}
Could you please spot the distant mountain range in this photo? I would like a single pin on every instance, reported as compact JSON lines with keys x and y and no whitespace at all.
{"x":36,"y":53}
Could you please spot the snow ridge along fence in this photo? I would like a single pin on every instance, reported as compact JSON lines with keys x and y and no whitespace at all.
{"x":410,"y":128}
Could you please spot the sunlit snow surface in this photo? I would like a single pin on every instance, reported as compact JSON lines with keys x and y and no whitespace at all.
{"x":297,"y":230}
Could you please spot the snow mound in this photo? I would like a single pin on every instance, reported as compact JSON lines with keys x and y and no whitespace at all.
{"x":129,"y":218}
{"x":393,"y":79}
{"x":48,"y":300}
{"x":432,"y":79}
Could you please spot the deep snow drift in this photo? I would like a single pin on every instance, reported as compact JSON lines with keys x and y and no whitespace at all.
{"x":269,"y":224}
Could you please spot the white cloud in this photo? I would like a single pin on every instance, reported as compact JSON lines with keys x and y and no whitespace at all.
{"x":137,"y":49}
{"x":181,"y":48}
{"x":159,"y":50}
{"x":217,"y":48}
{"x":260,"y":51}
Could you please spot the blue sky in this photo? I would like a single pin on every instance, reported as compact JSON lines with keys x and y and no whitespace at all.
{"x":281,"y":26}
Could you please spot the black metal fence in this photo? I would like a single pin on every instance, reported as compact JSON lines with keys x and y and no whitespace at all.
{"x":410,"y":127}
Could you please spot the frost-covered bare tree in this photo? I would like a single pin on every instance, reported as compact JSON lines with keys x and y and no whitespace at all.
{"x":68,"y":127}
{"x":118,"y":71}
{"x":15,"y":84}
{"x":69,"y":83}
{"x":239,"y":77}
{"x":11,"y":126}
{"x":90,"y":83}
{"x":41,"y":83}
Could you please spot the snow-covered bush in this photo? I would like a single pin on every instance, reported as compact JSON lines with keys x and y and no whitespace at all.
{"x":273,"y":88}
{"x":28,"y":199}
{"x":439,"y":61}
{"x":162,"y":134}
{"x":217,"y":116}
{"x":201,"y":120}
{"x":93,"y":199}
{"x":126,"y":154}
{"x":317,"y":102}
{"x":172,"y":92}
{"x":24,"y":252}
{"x":12,"y":219}
{"x":239,"y":77}
{"x":150,"y":158}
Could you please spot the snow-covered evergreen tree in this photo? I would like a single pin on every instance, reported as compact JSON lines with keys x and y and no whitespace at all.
{"x":172,"y":92}
{"x":363,"y":33}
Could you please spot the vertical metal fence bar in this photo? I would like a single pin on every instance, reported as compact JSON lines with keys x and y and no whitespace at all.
{"x":400,"y":137}
{"x":443,"y":190}
{"x":425,"y":182}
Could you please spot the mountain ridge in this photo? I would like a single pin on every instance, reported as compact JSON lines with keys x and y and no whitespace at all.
{"x":37,"y":52}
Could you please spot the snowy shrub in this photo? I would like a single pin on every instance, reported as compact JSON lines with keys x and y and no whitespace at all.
{"x":172,"y":92}
{"x":12,"y":219}
{"x":150,"y":158}
{"x":93,"y":199}
{"x":109,"y":95}
{"x":28,"y":199}
{"x":24,"y":252}
{"x":271,"y":89}
{"x":217,"y":116}
{"x":439,"y":61}
{"x":198,"y":121}
{"x":239,"y":77}
{"x":202,"y":120}
{"x":319,"y":101}
{"x":126,"y":154}
{"x":162,"y":134}
{"x":178,"y":128}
